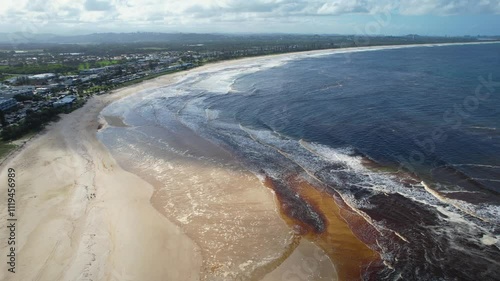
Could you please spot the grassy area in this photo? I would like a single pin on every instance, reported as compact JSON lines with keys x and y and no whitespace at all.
{"x":6,"y":77}
{"x":83,"y":66}
{"x":6,"y":148}
{"x":37,"y":69}
{"x":107,"y":63}
{"x":88,"y":65}
{"x":96,"y":89}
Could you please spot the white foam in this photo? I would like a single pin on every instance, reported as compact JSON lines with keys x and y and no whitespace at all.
{"x":328,"y":52}
{"x":489,"y":240}
{"x":484,"y":128}
{"x":485,"y":212}
{"x":477,"y":165}
{"x":343,"y":154}
{"x":211,"y":114}
{"x":454,"y":210}
{"x":220,"y":79}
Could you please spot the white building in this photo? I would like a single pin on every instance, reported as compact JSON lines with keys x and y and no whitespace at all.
{"x":43,"y":76}
{"x":67,"y":100}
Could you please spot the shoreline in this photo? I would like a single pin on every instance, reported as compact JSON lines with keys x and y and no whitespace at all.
{"x":79,"y":210}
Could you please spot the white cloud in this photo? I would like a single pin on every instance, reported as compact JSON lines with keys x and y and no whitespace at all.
{"x":97,"y":5}
{"x":341,"y":7}
{"x":449,"y":7}
{"x":181,"y":13}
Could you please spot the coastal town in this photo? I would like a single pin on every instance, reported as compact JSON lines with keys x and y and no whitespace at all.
{"x":24,"y":94}
{"x":58,"y":79}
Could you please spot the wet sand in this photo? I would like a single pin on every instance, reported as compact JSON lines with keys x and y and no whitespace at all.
{"x":307,"y":262}
{"x":230,"y":215}
{"x":221,"y":206}
{"x":114,"y":121}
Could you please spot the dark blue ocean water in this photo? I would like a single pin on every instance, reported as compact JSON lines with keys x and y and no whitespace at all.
{"x":416,"y":107}
{"x":409,"y":137}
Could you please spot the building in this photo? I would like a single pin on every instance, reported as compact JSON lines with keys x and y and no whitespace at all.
{"x":14,"y":80}
{"x":23,"y":90}
{"x":93,"y":71}
{"x":88,"y":78}
{"x":43,"y":76}
{"x":68,"y":80}
{"x":66,"y":101}
{"x":6,"y":104}
{"x":63,"y":94}
{"x":42,"y":91}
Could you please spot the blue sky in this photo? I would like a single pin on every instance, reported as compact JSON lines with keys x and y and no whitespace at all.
{"x":389,"y":17}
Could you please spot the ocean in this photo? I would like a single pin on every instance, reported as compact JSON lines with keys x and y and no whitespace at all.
{"x":408,"y":138}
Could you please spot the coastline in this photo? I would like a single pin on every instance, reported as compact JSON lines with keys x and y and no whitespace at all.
{"x":79,"y":209}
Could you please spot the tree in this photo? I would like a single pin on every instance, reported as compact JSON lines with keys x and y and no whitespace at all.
{"x":21,"y":98}
{"x":2,"y":119}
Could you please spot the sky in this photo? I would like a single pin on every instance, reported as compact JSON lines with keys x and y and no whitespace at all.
{"x":383,"y":17}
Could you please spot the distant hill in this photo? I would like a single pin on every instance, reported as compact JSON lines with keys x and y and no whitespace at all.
{"x":99,"y":38}
{"x":26,"y":37}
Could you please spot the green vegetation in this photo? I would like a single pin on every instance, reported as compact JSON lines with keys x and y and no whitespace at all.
{"x":22,"y":98}
{"x":6,"y":77}
{"x":37,"y":69}
{"x":102,"y":63}
{"x":107,"y":63}
{"x":34,"y":122}
{"x":6,"y":148}
{"x":96,"y":89}
{"x":114,"y":44}
{"x":83,"y":66}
